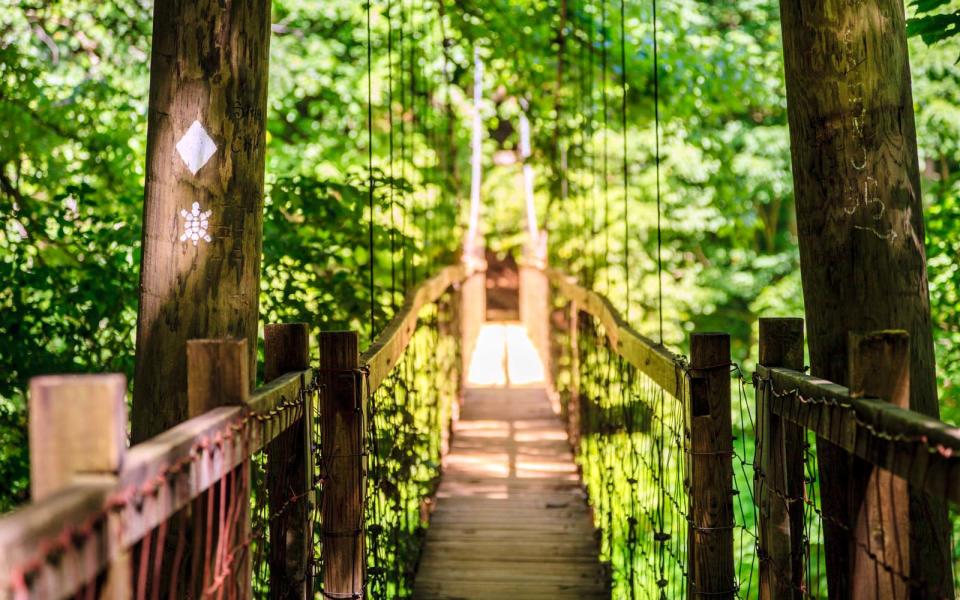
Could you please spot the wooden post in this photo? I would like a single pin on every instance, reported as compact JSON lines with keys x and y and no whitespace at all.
{"x":290,"y":471}
{"x":473,"y":310}
{"x":78,"y":428}
{"x":203,"y":200}
{"x":217,"y":375}
{"x":573,"y":405}
{"x":711,"y":569}
{"x":779,"y":471}
{"x":879,"y":501}
{"x":535,"y":300}
{"x":860,"y":226}
{"x":342,"y":433}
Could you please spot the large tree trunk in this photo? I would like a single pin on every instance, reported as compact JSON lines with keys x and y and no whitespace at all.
{"x":203,"y":204}
{"x":860,"y":224}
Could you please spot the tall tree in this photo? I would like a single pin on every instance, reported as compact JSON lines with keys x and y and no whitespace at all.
{"x":861,"y":234}
{"x":203,"y":204}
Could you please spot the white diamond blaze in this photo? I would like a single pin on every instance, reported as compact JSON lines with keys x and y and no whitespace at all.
{"x":196,"y":147}
{"x":196,"y":223}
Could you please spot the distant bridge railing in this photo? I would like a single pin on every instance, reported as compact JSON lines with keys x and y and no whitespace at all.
{"x":281,"y":492}
{"x":696,"y":496}
{"x":653,"y":438}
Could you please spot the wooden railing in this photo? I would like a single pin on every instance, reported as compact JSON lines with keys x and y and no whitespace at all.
{"x":904,"y":468}
{"x":670,"y":418}
{"x":94,"y":500}
{"x":171,"y":517}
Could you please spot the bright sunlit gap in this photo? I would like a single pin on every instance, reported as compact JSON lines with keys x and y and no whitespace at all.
{"x":505,"y":357}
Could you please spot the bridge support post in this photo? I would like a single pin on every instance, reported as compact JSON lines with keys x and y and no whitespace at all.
{"x":290,"y":471}
{"x":473,"y":308}
{"x":78,"y":428}
{"x":710,"y":469}
{"x":880,"y":529}
{"x":217,"y":375}
{"x":535,"y":301}
{"x":778,"y":468}
{"x":342,"y":435}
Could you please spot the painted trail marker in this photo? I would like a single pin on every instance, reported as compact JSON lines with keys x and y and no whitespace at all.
{"x":196,"y":222}
{"x":196,"y":147}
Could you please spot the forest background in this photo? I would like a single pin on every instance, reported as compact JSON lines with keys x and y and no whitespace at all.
{"x":74,"y":82}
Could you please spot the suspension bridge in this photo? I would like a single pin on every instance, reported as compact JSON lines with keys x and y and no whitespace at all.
{"x":563,"y":455}
{"x":484,"y":442}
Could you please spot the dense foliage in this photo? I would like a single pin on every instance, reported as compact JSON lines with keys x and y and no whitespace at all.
{"x":73,"y":88}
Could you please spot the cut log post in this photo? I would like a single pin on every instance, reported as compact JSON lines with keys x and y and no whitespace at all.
{"x":860,"y":230}
{"x":473,"y":310}
{"x":534,"y":295}
{"x":573,"y":403}
{"x":779,"y":471}
{"x":879,"y":540}
{"x":342,"y":435}
{"x":78,"y":428}
{"x":290,"y":471}
{"x":710,"y":569}
{"x":217,"y":376}
{"x":203,"y":199}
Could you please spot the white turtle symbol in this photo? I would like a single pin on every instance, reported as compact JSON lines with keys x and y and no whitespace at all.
{"x":195,"y":224}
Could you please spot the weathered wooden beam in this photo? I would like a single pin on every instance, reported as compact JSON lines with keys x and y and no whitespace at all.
{"x":710,"y":464}
{"x":879,"y":501}
{"x":921,"y":449}
{"x":290,"y":471}
{"x":78,"y":431}
{"x":859,"y":209}
{"x":203,"y":198}
{"x":24,"y":532}
{"x":386,"y":350}
{"x":535,"y":302}
{"x":778,"y":469}
{"x":653,"y":359}
{"x":217,"y":376}
{"x":343,"y":435}
{"x":78,"y":425}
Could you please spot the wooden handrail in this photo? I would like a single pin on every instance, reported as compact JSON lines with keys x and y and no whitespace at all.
{"x":139,"y":498}
{"x":660,"y":364}
{"x":382,"y":355}
{"x":923,"y":450}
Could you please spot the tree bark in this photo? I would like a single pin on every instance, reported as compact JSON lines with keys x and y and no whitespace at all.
{"x":860,"y":227}
{"x":203,"y":202}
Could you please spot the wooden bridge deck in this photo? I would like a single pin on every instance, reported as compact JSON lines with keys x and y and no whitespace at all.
{"x":511,"y":519}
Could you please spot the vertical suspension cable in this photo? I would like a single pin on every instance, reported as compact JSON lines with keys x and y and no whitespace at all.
{"x":393,"y":184}
{"x":604,"y":37}
{"x":404,"y":258}
{"x":370,"y":258}
{"x":626,"y":172}
{"x":656,"y":120}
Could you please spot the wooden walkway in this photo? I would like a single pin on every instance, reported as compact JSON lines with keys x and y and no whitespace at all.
{"x":511,"y":519}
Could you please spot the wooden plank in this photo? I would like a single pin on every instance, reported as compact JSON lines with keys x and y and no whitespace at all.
{"x":383,"y":354}
{"x":21,"y":532}
{"x":653,"y":359}
{"x":872,"y":420}
{"x":511,"y":518}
